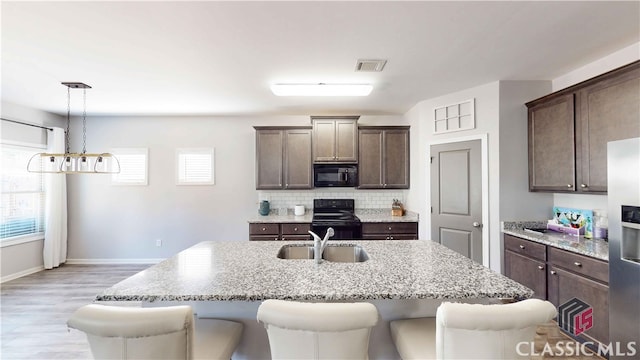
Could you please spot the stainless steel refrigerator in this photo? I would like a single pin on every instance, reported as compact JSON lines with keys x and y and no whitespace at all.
{"x":623,"y":171}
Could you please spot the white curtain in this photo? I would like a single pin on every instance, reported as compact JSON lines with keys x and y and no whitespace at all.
{"x":55,"y":215}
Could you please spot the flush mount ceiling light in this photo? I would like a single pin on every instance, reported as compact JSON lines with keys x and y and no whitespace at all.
{"x":321,"y":89}
{"x":75,"y":163}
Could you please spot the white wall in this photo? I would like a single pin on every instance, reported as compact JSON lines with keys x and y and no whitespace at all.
{"x":516,"y":202}
{"x":121,"y":223}
{"x":615,"y":60}
{"x":501,"y":116}
{"x":487,"y":123}
{"x":25,"y":258}
{"x":421,"y":118}
{"x":612,"y":61}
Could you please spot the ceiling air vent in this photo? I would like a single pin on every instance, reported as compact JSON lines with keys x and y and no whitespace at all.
{"x":370,"y":65}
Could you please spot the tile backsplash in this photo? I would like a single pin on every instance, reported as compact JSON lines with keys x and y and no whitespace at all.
{"x":364,"y":199}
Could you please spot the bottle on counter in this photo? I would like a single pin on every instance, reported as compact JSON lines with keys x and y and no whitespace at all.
{"x":600,"y":224}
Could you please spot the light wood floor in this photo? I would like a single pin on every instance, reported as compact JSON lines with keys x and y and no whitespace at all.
{"x":35,"y":308}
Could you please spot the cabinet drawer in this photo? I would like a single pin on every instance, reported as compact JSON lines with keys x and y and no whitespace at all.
{"x":264,"y":237}
{"x":525,"y":247}
{"x":264,"y":229}
{"x":580,"y":264}
{"x":296,"y":229}
{"x":390,"y":228}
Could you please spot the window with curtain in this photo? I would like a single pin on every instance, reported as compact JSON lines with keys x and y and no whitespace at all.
{"x":23,"y":194}
{"x":194,"y":166}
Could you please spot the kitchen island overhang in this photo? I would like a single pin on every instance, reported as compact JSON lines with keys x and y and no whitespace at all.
{"x":229,"y":279}
{"x":251,"y":271}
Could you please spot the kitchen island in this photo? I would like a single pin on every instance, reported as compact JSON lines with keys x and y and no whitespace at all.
{"x":230,"y":279}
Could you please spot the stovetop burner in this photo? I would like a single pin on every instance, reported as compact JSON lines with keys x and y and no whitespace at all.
{"x":334,"y":211}
{"x":338,"y":214}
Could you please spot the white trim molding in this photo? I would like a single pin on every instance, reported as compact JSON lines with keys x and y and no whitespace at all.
{"x":484,"y":153}
{"x":112,"y":261}
{"x":22,"y":273}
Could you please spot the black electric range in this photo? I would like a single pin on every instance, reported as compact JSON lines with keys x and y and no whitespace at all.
{"x":338,"y":214}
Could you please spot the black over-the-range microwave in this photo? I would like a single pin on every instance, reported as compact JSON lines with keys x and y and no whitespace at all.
{"x":335,"y":175}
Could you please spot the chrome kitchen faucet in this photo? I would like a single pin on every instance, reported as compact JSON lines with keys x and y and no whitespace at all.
{"x":319,"y":245}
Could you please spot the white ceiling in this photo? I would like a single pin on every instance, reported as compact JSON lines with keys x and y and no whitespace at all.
{"x":219,"y":58}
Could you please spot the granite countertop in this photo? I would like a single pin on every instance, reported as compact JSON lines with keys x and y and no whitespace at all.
{"x":596,"y":248}
{"x":275,"y":218}
{"x":384,"y":215}
{"x":365,"y":215}
{"x":251,"y":271}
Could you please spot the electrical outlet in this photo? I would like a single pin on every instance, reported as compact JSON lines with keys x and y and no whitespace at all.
{"x":158,"y":242}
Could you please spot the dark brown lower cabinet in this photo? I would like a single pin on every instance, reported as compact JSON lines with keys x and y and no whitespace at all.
{"x":390,"y":231}
{"x":528,"y":272}
{"x":525,"y":262}
{"x":573,"y":275}
{"x":279,"y":231}
{"x":295,"y":231}
{"x":559,"y":276}
{"x":564,"y":286}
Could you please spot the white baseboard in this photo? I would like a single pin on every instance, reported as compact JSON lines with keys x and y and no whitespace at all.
{"x":111,"y":261}
{"x":22,"y":273}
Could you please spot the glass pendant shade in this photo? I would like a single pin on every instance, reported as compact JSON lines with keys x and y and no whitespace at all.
{"x":104,"y":163}
{"x":74,"y":163}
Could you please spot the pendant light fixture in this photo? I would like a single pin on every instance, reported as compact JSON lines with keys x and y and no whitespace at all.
{"x":75,"y":163}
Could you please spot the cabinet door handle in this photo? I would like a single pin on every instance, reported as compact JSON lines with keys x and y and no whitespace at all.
{"x":391,"y":238}
{"x":577,"y":263}
{"x":583,"y":185}
{"x":264,"y":229}
{"x":522,"y":247}
{"x":295,"y":229}
{"x":540,"y":267}
{"x":569,"y":186}
{"x":389,"y":228}
{"x":553,"y":272}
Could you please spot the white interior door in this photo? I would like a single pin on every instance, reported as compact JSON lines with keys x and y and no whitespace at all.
{"x":456,"y":197}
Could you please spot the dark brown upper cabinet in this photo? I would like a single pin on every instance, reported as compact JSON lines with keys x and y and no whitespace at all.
{"x":335,"y":139}
{"x":551,"y":145}
{"x":383,"y":157}
{"x":608,"y":110}
{"x":569,"y":131}
{"x":283,"y":158}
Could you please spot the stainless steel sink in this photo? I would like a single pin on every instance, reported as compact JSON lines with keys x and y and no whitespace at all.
{"x":333,"y":253}
{"x":345,"y":253}
{"x":296,"y":252}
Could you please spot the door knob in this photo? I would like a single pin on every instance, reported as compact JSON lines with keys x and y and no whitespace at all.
{"x":476,"y":224}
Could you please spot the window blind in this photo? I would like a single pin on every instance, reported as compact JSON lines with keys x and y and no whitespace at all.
{"x":23,"y":194}
{"x":133,"y":166}
{"x":195,"y":166}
